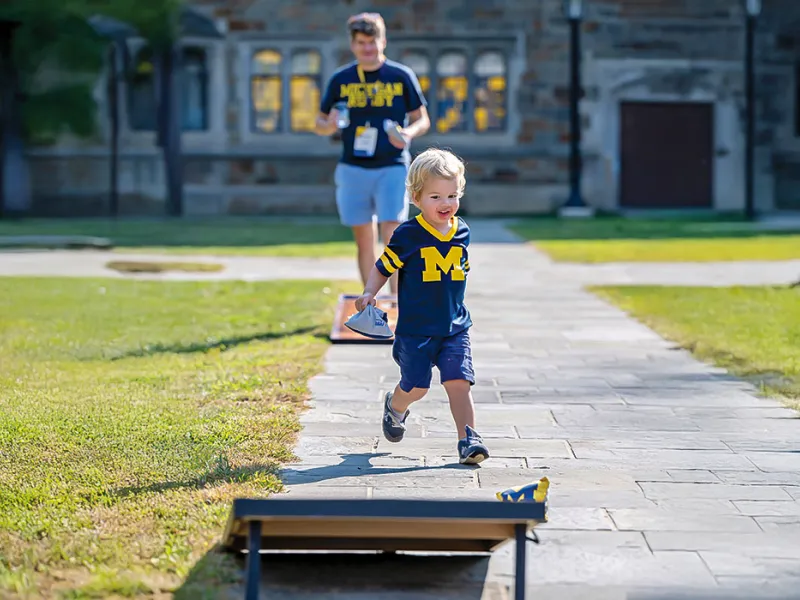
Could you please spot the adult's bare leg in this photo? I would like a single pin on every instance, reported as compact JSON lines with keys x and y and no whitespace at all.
{"x":387,"y":229}
{"x":364,"y":236}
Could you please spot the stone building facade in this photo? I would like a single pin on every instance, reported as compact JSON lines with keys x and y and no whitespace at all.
{"x":662,"y":111}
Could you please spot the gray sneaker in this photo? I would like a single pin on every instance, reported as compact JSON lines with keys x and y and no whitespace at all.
{"x":394,"y":428}
{"x":471,"y":449}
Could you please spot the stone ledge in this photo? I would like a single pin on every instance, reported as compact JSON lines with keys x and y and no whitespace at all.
{"x":480,"y":199}
{"x":55,"y":242}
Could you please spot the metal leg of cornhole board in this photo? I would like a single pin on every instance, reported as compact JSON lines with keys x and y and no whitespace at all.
{"x":521,"y":536}
{"x":253,"y":561}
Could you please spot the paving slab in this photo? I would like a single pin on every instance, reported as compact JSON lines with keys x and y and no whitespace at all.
{"x":790,"y":525}
{"x":768,"y":508}
{"x":658,"y":490}
{"x":660,"y":519}
{"x":760,"y":478}
{"x":757,"y":544}
{"x":735,"y":564}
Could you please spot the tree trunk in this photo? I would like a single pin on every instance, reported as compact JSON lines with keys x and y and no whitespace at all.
{"x":15,"y":197}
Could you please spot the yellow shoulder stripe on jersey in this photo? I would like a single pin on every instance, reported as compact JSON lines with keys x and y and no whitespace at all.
{"x":393,"y":257}
{"x":389,"y":266}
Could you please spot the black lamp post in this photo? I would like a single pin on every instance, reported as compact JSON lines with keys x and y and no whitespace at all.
{"x":575,"y":206}
{"x":169,"y":61}
{"x":8,"y":100}
{"x":753,"y":10}
{"x":117,"y":32}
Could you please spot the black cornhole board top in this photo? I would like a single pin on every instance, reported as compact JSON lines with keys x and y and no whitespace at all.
{"x":384,"y":524}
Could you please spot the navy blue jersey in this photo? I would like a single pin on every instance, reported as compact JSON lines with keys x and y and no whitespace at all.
{"x":432,"y":277}
{"x":390,"y":92}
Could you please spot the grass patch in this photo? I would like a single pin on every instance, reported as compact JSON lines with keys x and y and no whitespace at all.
{"x":228,"y":236}
{"x":131,"y":414}
{"x":752,"y":331}
{"x":163,"y":267}
{"x":615,"y":239}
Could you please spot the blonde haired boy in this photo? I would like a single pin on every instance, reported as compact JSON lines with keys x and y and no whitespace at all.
{"x":430,"y":255}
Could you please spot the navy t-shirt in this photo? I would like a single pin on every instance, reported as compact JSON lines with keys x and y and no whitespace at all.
{"x":390,"y":92}
{"x":432,"y":272}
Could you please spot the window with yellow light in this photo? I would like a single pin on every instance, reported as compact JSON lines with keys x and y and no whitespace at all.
{"x":451,"y":95}
{"x":266,"y":90}
{"x":490,"y":92}
{"x":304,"y":89}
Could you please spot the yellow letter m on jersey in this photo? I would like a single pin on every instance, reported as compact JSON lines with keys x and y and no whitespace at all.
{"x":436,"y":264}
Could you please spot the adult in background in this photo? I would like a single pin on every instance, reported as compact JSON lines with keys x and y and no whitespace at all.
{"x":379,"y":106}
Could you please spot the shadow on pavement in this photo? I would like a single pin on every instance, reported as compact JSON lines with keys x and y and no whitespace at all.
{"x":340,"y":576}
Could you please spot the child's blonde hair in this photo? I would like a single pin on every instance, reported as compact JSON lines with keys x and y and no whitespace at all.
{"x":434,"y":163}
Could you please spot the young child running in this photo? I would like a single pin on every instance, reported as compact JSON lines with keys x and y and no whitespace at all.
{"x":429,"y":253}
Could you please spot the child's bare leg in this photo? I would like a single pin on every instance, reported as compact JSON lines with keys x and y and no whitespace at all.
{"x":461,"y":406}
{"x":471,"y":449}
{"x":394,"y":411}
{"x":402,"y":400}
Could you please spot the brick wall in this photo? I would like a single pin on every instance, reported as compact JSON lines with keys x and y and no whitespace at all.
{"x":535,"y":152}
{"x":647,"y":29}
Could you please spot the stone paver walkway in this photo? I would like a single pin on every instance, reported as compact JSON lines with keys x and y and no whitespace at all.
{"x":667,"y":475}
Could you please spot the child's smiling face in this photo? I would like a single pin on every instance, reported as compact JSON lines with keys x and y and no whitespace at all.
{"x":438,"y":201}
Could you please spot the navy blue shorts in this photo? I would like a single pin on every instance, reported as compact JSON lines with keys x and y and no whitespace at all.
{"x":417,"y":355}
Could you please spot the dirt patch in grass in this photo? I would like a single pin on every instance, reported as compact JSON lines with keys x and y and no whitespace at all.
{"x":124,"y":266}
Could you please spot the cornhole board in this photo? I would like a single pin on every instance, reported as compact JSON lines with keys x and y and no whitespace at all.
{"x":347,"y":307}
{"x":388,"y":525}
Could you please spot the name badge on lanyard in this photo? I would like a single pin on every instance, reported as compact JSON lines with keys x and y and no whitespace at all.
{"x":365,"y":141}
{"x":366,"y":136}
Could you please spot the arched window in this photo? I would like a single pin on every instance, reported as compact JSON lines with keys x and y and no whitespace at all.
{"x":490,"y":92}
{"x":304,"y":88}
{"x":451,"y":97}
{"x":266,"y":90}
{"x":419,"y":63}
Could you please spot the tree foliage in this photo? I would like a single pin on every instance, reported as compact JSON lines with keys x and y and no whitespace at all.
{"x":59,"y":57}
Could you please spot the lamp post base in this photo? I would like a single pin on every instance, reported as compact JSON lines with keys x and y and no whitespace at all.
{"x":576,"y":212}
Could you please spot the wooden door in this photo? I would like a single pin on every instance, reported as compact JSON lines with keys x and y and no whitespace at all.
{"x":667,"y":151}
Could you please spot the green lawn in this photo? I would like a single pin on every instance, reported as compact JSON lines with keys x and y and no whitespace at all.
{"x":752,"y":331}
{"x":222,"y":236}
{"x":131,"y":413}
{"x":615,"y":239}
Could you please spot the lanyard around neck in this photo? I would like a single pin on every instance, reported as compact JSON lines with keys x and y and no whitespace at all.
{"x":372,"y":88}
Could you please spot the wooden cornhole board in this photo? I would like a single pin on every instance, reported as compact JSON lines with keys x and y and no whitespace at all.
{"x":347,"y":306}
{"x":379,"y":525}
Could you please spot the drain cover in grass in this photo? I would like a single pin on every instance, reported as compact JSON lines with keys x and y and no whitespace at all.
{"x":128,"y":266}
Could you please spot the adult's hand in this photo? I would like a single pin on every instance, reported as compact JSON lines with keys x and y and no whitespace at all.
{"x":400,"y":138}
{"x":326,"y":125}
